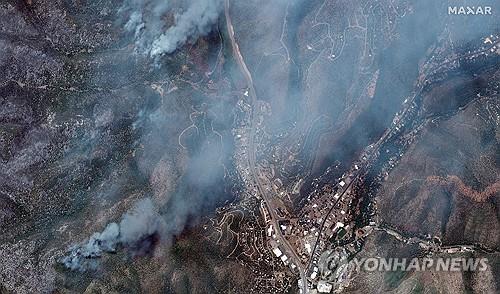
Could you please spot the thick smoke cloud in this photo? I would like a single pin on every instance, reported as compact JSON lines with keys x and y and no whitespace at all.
{"x":138,"y":224}
{"x":146,"y":23}
{"x":195,"y":22}
{"x":144,"y":20}
{"x":141,"y":226}
{"x":83,"y":256}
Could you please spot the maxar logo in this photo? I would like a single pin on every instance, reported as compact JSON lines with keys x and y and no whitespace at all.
{"x":466,"y":10}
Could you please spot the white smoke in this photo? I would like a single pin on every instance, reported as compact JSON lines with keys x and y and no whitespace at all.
{"x":135,"y":24}
{"x":93,"y":248}
{"x":195,"y":22}
{"x":142,"y":221}
{"x":145,"y":22}
{"x":138,"y":223}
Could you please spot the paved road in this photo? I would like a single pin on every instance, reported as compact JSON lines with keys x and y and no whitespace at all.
{"x":403,"y":117}
{"x":288,"y":250}
{"x":325,"y":218}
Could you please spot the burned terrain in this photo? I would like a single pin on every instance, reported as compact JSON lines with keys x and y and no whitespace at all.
{"x":226,"y":146}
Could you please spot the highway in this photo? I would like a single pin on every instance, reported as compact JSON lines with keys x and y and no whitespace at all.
{"x":405,"y":115}
{"x":288,"y":250}
{"x":324,"y":221}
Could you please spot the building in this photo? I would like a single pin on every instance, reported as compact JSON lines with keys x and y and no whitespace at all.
{"x":324,"y":287}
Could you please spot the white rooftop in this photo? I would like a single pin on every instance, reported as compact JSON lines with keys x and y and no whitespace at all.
{"x":277,"y":252}
{"x":324,"y":287}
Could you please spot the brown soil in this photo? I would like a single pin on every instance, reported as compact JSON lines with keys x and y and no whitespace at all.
{"x":455,"y":184}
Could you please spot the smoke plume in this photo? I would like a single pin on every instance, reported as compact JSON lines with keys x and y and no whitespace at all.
{"x":140,"y":227}
{"x":197,"y":21}
{"x":145,"y":22}
{"x":138,"y":224}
